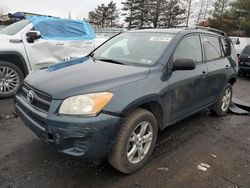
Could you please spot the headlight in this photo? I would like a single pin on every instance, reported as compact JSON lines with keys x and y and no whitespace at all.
{"x":89,"y":104}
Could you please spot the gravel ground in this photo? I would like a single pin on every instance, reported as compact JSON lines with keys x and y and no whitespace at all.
{"x":222,"y":143}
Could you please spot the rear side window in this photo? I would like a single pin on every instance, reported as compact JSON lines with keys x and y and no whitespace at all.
{"x":226,"y":46}
{"x":246,"y":50}
{"x":212,"y":48}
{"x":189,"y":47}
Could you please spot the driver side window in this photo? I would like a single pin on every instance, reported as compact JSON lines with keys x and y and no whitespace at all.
{"x":189,"y":47}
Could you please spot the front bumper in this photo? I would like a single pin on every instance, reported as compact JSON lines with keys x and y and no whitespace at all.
{"x":89,"y":138}
{"x":244,"y":69}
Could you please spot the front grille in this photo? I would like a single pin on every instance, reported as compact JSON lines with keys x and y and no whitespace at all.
{"x":39,"y":120}
{"x":40,"y":100}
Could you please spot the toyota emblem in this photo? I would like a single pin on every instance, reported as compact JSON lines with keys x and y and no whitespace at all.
{"x":30,"y":96}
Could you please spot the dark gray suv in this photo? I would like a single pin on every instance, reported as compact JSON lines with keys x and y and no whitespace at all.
{"x":112,"y":103}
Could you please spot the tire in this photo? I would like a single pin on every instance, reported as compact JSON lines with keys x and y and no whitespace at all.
{"x":225,"y":99}
{"x":10,"y":78}
{"x":241,"y":74}
{"x":119,"y":157}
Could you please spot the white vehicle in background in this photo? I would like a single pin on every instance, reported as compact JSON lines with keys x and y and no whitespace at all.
{"x":38,"y":42}
{"x":240,"y":43}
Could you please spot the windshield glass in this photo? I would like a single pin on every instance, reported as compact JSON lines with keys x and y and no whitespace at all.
{"x":15,"y":27}
{"x":134,"y":48}
{"x":246,"y":50}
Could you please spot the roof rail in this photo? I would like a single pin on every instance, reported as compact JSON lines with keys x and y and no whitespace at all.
{"x":171,"y":27}
{"x":187,"y":28}
{"x":210,"y":29}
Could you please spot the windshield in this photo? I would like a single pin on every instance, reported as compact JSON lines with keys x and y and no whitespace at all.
{"x":134,"y":48}
{"x":246,"y":50}
{"x":15,"y":27}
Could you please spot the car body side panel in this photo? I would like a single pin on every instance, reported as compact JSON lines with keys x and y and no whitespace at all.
{"x":187,"y":91}
{"x":217,"y":77}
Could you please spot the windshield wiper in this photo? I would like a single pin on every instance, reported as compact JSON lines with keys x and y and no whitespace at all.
{"x":111,"y":61}
{"x":92,"y":56}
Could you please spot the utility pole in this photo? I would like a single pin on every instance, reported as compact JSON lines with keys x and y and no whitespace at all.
{"x":70,"y":15}
{"x":189,"y":9}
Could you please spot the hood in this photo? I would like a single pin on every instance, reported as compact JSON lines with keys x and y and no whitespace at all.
{"x":4,"y":37}
{"x":83,"y":76}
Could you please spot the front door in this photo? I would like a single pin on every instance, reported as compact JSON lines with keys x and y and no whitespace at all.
{"x":60,"y":41}
{"x":187,"y":91}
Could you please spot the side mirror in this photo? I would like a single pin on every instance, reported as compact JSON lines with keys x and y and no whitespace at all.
{"x":243,"y":58}
{"x":32,"y":36}
{"x":184,"y":64}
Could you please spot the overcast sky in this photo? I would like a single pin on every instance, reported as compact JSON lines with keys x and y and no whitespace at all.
{"x":60,"y":8}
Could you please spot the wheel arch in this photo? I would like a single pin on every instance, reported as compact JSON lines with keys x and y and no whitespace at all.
{"x":150,"y":103}
{"x":15,"y":58}
{"x":232,"y":80}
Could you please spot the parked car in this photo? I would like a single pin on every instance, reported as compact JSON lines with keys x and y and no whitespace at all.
{"x":244,"y":67}
{"x":240,"y":43}
{"x":112,"y":103}
{"x":39,"y":42}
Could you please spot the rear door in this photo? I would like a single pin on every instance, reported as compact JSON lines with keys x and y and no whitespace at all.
{"x":187,"y":89}
{"x":218,"y":65}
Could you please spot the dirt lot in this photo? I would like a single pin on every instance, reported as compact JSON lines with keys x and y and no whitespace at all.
{"x":223,"y":143}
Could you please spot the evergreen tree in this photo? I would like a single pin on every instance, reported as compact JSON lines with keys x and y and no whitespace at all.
{"x":99,"y":16}
{"x":155,"y":7}
{"x":173,"y":13}
{"x":113,"y":14}
{"x":136,"y":13}
{"x":129,"y":8}
{"x":104,"y":15}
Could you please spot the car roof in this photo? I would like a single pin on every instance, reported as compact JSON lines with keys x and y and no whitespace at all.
{"x":175,"y":31}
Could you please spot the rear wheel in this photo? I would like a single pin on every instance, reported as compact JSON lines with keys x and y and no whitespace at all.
{"x":10,"y":78}
{"x":222,"y":106}
{"x":135,"y":142}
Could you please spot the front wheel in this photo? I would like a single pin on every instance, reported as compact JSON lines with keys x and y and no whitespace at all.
{"x":135,"y":142}
{"x":222,"y":106}
{"x":10,"y":78}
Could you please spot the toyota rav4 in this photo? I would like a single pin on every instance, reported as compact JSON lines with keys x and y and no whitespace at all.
{"x":112,"y":103}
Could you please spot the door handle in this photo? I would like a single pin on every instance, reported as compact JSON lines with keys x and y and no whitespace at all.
{"x":59,"y":43}
{"x":89,"y":42}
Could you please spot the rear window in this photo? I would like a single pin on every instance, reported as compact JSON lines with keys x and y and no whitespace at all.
{"x":226,"y":46}
{"x":236,"y":41}
{"x":212,"y":48}
{"x":246,"y":50}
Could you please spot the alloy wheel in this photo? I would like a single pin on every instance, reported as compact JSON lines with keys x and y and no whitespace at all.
{"x":9,"y":80}
{"x":140,"y":142}
{"x":226,"y":100}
